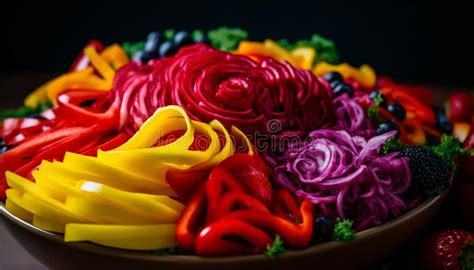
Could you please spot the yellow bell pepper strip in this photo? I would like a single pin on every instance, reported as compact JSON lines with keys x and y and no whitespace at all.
{"x":47,"y":225}
{"x":365,"y":75}
{"x":38,"y":96}
{"x":112,"y":57}
{"x":134,"y":237}
{"x":98,"y":167}
{"x":122,"y":198}
{"x":302,"y":57}
{"x":84,"y":79}
{"x":115,"y":56}
{"x":134,"y":156}
{"x":13,"y":205}
{"x":102,"y":66}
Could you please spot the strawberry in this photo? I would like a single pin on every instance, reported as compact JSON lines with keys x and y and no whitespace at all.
{"x":448,"y":250}
{"x":461,"y":107}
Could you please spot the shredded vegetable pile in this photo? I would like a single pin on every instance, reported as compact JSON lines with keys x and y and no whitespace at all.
{"x":345,"y":177}
{"x":209,"y":143}
{"x":212,"y":83}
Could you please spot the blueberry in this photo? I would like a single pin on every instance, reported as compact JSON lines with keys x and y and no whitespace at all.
{"x":333,"y":76}
{"x":387,"y":126}
{"x":322,"y":230}
{"x":166,"y":49}
{"x":333,"y":84}
{"x":442,"y":122}
{"x":151,"y":47}
{"x":374,"y":94}
{"x":183,"y":38}
{"x":343,"y":88}
{"x":156,"y":36}
{"x":2,"y":142}
{"x":397,"y":110}
{"x":141,"y":56}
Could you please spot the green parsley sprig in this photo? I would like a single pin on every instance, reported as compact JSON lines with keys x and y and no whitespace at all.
{"x":276,"y":248}
{"x":343,"y":230}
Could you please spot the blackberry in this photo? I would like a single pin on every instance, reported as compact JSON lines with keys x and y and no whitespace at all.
{"x":430,"y":173}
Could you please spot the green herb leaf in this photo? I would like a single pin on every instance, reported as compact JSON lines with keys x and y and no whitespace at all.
{"x":226,"y":39}
{"x":392,"y":145}
{"x":285,"y":44}
{"x":276,"y":248}
{"x":450,"y":149}
{"x":167,"y":251}
{"x":24,"y":111}
{"x":197,"y":34}
{"x":343,"y":230}
{"x":169,"y":34}
{"x":131,"y":48}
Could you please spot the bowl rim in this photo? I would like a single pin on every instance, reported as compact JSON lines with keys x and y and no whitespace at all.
{"x":153,"y":257}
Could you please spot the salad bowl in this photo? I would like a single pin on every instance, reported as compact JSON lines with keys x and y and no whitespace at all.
{"x":370,"y":247}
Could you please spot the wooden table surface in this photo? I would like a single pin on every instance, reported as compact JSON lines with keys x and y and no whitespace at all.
{"x":13,"y":256}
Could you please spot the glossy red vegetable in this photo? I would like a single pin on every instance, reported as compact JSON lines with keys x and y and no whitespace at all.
{"x":191,"y":219}
{"x":253,"y":173}
{"x":225,"y":217}
{"x":235,"y":90}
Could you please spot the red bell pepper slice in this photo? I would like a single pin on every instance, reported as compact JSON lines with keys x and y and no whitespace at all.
{"x":67,"y":108}
{"x":411,"y":103}
{"x":234,"y":200}
{"x":191,"y":219}
{"x":295,"y":235}
{"x":219,"y":181}
{"x":216,"y":239}
{"x":253,"y":173}
{"x":17,"y":155}
{"x":284,"y":206}
{"x":185,"y":183}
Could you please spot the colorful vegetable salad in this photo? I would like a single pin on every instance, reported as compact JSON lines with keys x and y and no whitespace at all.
{"x":210,"y":143}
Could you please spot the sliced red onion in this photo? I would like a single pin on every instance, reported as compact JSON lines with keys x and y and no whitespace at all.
{"x":345,"y":176}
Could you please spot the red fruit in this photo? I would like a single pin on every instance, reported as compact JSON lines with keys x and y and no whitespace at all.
{"x":449,"y":250}
{"x":461,"y":107}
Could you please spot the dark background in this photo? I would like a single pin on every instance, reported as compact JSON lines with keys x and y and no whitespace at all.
{"x":414,"y":41}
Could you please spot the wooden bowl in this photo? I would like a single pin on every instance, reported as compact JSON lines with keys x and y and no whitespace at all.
{"x":370,"y":247}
